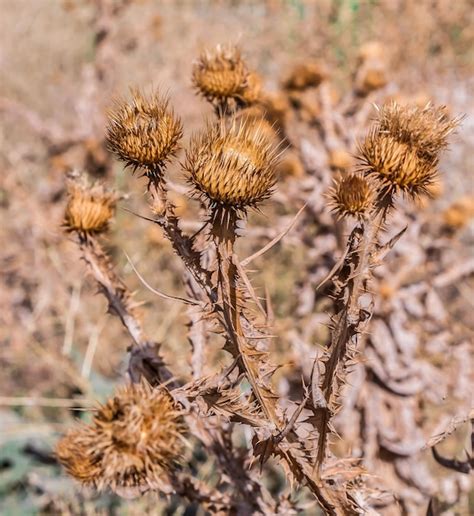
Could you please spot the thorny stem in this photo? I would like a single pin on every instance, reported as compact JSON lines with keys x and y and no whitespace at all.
{"x":227,"y":278}
{"x":112,"y":287}
{"x":230,"y":319}
{"x":349,"y":321}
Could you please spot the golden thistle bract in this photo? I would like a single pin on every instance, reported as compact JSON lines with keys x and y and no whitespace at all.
{"x":352,"y":194}
{"x":144,"y":132}
{"x":232,"y":164}
{"x":220,"y":74}
{"x":135,"y":439}
{"x":89,"y":208}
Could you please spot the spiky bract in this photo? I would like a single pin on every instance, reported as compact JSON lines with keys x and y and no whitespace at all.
{"x":144,"y":132}
{"x":134,"y":440}
{"x":402,"y":151}
{"x":89,"y":208}
{"x":232,"y":164}
{"x":220,"y":74}
{"x":352,"y":195}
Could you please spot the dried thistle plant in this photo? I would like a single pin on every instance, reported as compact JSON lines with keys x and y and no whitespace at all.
{"x":136,"y":439}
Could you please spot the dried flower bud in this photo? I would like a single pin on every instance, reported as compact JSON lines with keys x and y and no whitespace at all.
{"x":144,"y":132}
{"x":133,"y":441}
{"x":352,"y":195}
{"x":459,"y":213}
{"x":233,"y":164}
{"x":256,"y":120}
{"x":371,"y":50}
{"x":402,"y":150}
{"x":371,"y":77}
{"x":290,"y":165}
{"x":89,"y":208}
{"x":220,"y":74}
{"x":340,"y":159}
{"x":305,"y":75}
{"x":253,"y":89}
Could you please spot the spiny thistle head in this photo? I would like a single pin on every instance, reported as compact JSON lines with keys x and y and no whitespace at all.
{"x":232,"y":164}
{"x":402,"y":150}
{"x":144,"y":132}
{"x":352,"y":195}
{"x":89,"y":208}
{"x":220,"y":74}
{"x":132,"y":442}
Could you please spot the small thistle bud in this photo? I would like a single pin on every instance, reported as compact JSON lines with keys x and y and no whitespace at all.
{"x":352,"y":195}
{"x":220,"y":74}
{"x":255,"y":117}
{"x":89,"y":208}
{"x":144,"y":132}
{"x":290,"y":165}
{"x":134,"y":440}
{"x":371,"y":77}
{"x":402,"y":151}
{"x":252,"y":91}
{"x":233,"y":164}
{"x":371,"y":51}
{"x":306,"y":75}
{"x":340,"y":159}
{"x":459,"y":213}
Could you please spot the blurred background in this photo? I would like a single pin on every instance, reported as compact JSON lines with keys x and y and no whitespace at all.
{"x":62,"y":62}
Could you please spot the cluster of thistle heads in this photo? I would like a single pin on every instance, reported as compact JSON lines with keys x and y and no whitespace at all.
{"x":231,"y":162}
{"x":137,"y":437}
{"x":399,"y":155}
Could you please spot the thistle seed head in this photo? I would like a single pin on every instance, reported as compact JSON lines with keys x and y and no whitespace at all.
{"x":233,"y":164}
{"x":220,"y":74}
{"x":89,"y":208}
{"x":352,"y":195}
{"x":144,"y":132}
{"x":135,"y":439}
{"x":402,"y":151}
